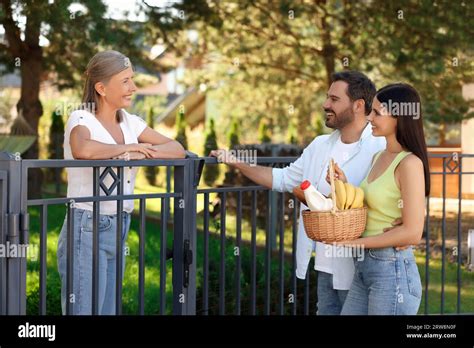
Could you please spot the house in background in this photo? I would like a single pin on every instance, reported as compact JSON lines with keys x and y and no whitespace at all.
{"x":191,"y":100}
{"x":461,"y":142}
{"x":467,"y":145}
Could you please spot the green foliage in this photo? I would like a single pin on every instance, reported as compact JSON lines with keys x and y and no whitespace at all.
{"x":56,"y":136}
{"x":151,"y":172}
{"x":318,"y":126}
{"x":74,"y":34}
{"x":55,"y":146}
{"x":268,"y":56}
{"x":292,"y":135}
{"x":211,"y":172}
{"x":233,"y":135}
{"x":6,"y":104}
{"x":263,"y":131}
{"x":142,"y":105}
{"x":181,"y":129}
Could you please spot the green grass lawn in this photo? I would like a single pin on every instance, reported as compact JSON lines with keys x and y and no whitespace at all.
{"x":130,"y":286}
{"x":450,"y":288}
{"x":152,"y":265}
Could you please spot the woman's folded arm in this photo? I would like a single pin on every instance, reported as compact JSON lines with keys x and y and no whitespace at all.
{"x":164,"y":147}
{"x":83,"y":147}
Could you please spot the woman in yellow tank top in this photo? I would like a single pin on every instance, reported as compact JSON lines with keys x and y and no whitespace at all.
{"x":386,"y":279}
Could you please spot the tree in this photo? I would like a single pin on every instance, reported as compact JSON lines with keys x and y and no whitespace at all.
{"x":265,"y":57}
{"x":263,"y":132}
{"x":233,"y":135}
{"x":292,"y":135}
{"x":72,"y":36}
{"x":56,"y":136}
{"x":55,"y":146}
{"x":181,"y":129}
{"x":211,"y":172}
{"x":151,"y":172}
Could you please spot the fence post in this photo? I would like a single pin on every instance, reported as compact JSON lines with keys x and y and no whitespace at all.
{"x":14,"y":222}
{"x":273,"y":208}
{"x":3,"y":239}
{"x":186,"y":179}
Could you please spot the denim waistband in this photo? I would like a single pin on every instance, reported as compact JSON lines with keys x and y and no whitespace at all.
{"x":390,"y":251}
{"x":81,"y":211}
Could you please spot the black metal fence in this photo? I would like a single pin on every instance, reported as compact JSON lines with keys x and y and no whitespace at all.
{"x":251,"y":275}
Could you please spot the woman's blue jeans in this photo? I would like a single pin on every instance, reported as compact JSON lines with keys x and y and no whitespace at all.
{"x":81,"y":296}
{"x":386,"y":282}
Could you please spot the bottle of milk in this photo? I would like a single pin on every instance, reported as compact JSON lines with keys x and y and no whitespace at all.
{"x":315,"y":200}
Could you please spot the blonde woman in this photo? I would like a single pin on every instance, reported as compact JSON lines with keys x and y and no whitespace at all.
{"x":103,"y":130}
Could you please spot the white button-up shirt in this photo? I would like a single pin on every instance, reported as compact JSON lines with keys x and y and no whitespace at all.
{"x":312,"y":166}
{"x":80,"y":180}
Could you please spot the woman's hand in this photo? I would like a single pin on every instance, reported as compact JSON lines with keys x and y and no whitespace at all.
{"x":128,"y":156}
{"x":136,"y":155}
{"x":338,"y":174}
{"x":144,"y":148}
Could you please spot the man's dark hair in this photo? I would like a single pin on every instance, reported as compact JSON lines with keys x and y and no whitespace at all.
{"x":360,"y":87}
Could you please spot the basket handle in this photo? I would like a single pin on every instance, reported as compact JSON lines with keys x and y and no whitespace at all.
{"x":333,"y":186}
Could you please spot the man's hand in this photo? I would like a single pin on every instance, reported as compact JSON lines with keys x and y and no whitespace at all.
{"x":223,"y":156}
{"x":395,"y":223}
{"x":299,"y":194}
{"x":258,"y":174}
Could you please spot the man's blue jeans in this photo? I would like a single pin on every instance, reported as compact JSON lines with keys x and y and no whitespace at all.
{"x":330,"y":300}
{"x":81,"y":296}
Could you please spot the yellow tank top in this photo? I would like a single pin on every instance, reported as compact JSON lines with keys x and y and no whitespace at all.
{"x":383,"y":198}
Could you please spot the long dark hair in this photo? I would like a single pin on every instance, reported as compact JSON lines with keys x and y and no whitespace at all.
{"x":403,"y":101}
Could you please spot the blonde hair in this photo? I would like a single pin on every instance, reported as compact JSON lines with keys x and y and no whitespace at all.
{"x":101,"y":68}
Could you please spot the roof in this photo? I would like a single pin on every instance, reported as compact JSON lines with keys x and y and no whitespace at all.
{"x":194,"y":103}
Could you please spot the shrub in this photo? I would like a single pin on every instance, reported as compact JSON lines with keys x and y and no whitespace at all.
{"x":211,"y":172}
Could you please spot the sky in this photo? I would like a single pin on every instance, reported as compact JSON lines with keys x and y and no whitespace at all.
{"x":116,"y":10}
{"x":117,"y":7}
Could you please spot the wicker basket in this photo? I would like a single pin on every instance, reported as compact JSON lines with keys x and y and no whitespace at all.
{"x":335,"y":225}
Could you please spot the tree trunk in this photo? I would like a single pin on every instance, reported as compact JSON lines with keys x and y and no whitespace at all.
{"x":329,"y":51}
{"x":30,"y":107}
{"x":28,"y":55}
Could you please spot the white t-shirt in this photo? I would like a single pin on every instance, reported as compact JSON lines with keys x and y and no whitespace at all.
{"x":80,"y":180}
{"x":341,"y":153}
{"x":312,"y":165}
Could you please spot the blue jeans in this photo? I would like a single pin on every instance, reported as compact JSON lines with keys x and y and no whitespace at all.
{"x":386,"y":282}
{"x":330,"y":300}
{"x":81,"y":296}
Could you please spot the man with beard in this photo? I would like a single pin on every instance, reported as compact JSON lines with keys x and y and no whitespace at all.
{"x":348,"y":102}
